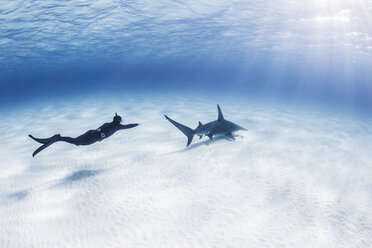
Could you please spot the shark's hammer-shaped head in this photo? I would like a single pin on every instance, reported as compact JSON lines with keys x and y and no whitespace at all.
{"x":234,"y":127}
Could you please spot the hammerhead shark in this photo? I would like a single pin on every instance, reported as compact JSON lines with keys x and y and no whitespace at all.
{"x":210,"y":129}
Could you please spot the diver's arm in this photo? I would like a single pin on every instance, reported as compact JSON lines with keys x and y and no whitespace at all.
{"x":128,"y":126}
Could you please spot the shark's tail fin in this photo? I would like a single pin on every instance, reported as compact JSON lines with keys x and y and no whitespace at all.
{"x":185,"y":130}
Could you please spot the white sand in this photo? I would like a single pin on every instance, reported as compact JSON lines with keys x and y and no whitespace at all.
{"x":295,"y":179}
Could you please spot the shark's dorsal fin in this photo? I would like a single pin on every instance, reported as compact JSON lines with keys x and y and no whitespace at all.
{"x":220,"y":115}
{"x":200,"y":124}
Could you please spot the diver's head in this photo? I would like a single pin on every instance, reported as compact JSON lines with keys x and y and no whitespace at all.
{"x":116,"y":118}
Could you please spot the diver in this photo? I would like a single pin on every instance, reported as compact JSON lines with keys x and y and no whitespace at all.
{"x":90,"y":137}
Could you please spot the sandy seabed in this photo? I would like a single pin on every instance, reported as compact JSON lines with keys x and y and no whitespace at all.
{"x":297,"y":178}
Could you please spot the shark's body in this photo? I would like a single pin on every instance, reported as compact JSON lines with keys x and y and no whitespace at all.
{"x":210,"y":129}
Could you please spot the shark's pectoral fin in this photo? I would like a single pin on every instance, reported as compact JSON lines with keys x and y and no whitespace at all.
{"x":210,"y":136}
{"x":200,"y":136}
{"x":230,"y":135}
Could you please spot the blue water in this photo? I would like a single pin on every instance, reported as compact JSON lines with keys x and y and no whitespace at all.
{"x":315,"y":51}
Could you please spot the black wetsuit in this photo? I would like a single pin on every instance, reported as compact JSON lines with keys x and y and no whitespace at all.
{"x":90,"y":137}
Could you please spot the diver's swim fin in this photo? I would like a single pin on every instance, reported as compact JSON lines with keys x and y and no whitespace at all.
{"x":41,"y":148}
{"x":46,"y":142}
{"x":42,"y":141}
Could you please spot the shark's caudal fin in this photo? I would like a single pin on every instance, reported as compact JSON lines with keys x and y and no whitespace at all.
{"x":220,"y":115}
{"x":185,"y":130}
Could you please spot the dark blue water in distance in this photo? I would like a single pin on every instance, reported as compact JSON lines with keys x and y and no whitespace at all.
{"x":318,"y":52}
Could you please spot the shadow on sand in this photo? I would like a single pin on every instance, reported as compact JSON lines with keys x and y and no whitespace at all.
{"x":74,"y":177}
{"x":203,"y":143}
{"x":79,"y":175}
{"x":19,"y":195}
